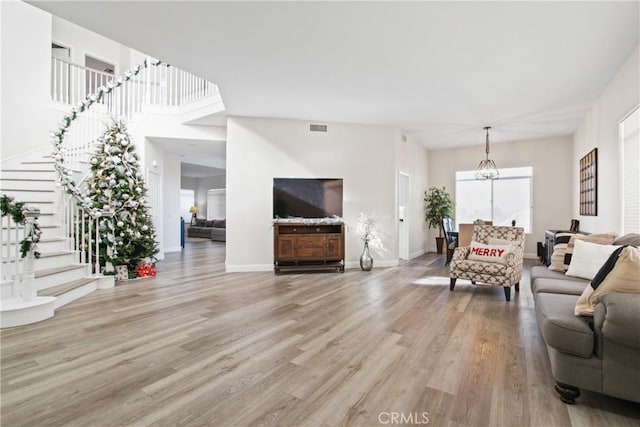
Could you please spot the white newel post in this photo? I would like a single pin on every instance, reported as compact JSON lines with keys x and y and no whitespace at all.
{"x":29,"y":291}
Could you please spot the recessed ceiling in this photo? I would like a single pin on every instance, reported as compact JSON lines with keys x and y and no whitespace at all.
{"x":439,"y":71}
{"x":198,"y":171}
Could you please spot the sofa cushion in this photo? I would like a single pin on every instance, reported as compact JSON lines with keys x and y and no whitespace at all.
{"x":623,"y":277}
{"x":599,"y":238}
{"x":560,"y":243}
{"x":201,"y":222}
{"x":632,"y":239}
{"x":220,"y":223}
{"x":560,"y":328}
{"x":211,"y":223}
{"x":542,"y":272}
{"x":588,"y":258}
{"x":480,"y":267}
{"x":554,"y":286}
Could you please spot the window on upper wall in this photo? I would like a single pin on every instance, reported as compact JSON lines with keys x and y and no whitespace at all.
{"x":630,"y":154}
{"x":503,"y":200}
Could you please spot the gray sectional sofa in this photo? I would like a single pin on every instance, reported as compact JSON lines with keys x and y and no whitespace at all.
{"x":600,"y":353}
{"x":214,"y":229}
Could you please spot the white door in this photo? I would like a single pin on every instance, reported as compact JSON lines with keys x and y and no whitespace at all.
{"x":403,"y":215}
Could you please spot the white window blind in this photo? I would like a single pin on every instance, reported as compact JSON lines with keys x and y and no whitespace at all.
{"x":216,"y":204}
{"x":630,"y":132}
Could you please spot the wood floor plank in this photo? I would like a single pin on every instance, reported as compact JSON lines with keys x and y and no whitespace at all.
{"x":198,"y":346}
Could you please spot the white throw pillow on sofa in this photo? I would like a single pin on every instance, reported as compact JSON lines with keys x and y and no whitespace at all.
{"x":588,"y":258}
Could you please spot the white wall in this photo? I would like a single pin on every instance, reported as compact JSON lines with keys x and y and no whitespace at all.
{"x":599,"y":129}
{"x":28,"y":115}
{"x":84,"y":42}
{"x":551,"y":159}
{"x":412,"y":159}
{"x":25,"y":70}
{"x":260,"y":149}
{"x":171,"y":203}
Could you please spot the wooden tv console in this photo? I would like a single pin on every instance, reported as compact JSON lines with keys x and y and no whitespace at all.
{"x":303,"y":246}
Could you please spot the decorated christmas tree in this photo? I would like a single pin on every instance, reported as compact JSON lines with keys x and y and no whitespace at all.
{"x":117,"y":185}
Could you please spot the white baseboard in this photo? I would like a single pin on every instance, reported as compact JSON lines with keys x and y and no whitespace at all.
{"x":417,"y":254}
{"x":172,"y":249}
{"x":530,"y":256}
{"x":248,"y":268}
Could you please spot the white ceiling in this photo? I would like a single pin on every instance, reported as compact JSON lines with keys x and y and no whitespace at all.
{"x":439,"y":71}
{"x":198,"y":171}
{"x":206,"y":153}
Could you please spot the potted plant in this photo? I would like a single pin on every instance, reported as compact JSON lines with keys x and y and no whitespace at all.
{"x":438,"y":205}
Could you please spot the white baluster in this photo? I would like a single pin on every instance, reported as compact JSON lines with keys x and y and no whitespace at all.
{"x":29,"y":291}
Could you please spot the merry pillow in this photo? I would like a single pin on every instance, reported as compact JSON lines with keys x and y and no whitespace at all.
{"x":489,"y":253}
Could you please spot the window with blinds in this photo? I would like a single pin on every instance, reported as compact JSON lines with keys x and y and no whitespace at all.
{"x":630,"y":138}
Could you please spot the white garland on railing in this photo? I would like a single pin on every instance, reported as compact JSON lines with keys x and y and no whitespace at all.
{"x":65,"y":174}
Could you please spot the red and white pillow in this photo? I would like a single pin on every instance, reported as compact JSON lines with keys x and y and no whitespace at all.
{"x":489,"y":253}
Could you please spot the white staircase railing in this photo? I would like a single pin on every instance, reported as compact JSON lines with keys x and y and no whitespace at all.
{"x":19,"y":235}
{"x":149,"y":83}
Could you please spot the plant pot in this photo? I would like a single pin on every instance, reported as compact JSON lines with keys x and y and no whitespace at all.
{"x":439,"y":244}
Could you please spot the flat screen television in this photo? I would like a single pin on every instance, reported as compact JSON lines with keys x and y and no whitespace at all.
{"x":307,"y":197}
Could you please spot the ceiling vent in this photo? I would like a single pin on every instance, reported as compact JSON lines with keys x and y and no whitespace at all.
{"x":317,"y":128}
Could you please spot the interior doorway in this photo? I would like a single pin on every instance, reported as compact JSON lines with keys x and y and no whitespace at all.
{"x":97,"y":74}
{"x":404,"y":182}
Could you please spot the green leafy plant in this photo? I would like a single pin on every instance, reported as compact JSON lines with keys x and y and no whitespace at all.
{"x":438,"y":205}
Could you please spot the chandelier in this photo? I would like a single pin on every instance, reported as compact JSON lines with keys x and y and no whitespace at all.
{"x":487,"y":168}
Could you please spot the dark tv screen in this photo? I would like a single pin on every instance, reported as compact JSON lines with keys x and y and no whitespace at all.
{"x":307,"y":197}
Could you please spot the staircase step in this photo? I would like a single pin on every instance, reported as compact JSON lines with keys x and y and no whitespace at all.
{"x":28,"y":174}
{"x":46,"y":220}
{"x":9,"y":234}
{"x":48,"y":260}
{"x":16,"y":312}
{"x":29,"y":184}
{"x":55,"y":276}
{"x":46,"y":244}
{"x":70,"y":291}
{"x":25,"y":195}
{"x":56,"y":291}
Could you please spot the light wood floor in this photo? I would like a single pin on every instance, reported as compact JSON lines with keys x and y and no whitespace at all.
{"x":197,"y":346}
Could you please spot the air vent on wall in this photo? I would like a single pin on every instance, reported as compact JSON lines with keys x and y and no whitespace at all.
{"x":317,"y":128}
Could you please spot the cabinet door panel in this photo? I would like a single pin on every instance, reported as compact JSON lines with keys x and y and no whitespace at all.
{"x":334,"y":247}
{"x":286,"y":247}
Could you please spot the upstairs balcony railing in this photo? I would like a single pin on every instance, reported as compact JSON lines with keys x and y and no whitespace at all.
{"x":161,"y":85}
